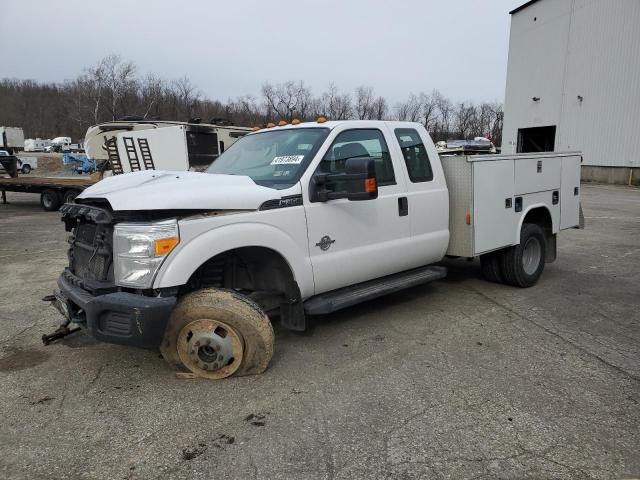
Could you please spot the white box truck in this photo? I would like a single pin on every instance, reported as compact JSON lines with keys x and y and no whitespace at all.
{"x":11,"y":139}
{"x":299,"y":220}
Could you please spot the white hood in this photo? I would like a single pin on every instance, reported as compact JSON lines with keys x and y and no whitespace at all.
{"x":160,"y":190}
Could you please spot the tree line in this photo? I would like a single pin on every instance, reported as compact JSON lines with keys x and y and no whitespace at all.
{"x":113,"y":89}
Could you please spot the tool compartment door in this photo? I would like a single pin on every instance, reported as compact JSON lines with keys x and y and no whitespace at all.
{"x":494,"y":220}
{"x":537,"y":174}
{"x":570,"y":192}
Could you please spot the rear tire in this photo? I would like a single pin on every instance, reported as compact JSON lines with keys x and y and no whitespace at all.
{"x":523,"y":264}
{"x":70,"y":195}
{"x":490,"y":265}
{"x":26,"y":169}
{"x":50,"y":200}
{"x":193,"y":329}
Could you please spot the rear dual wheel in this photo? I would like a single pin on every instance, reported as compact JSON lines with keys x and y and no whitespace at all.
{"x":520,"y":265}
{"x":218,"y":333}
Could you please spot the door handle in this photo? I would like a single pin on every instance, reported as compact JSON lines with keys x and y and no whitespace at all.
{"x":403,"y":206}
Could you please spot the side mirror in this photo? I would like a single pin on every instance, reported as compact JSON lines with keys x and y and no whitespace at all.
{"x":357,"y":182}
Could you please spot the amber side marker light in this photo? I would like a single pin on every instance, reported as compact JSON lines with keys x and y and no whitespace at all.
{"x":369,"y":185}
{"x":321,"y":120}
{"x":468,"y":219}
{"x":163,"y":246}
{"x":282,"y":123}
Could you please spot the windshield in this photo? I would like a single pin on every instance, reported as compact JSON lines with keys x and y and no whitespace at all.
{"x":275,"y":158}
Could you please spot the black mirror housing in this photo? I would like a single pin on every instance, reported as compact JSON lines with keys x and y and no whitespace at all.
{"x":357,"y":182}
{"x":367,"y":187}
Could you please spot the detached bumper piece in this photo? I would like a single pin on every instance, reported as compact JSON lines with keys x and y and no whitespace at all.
{"x":119,"y":317}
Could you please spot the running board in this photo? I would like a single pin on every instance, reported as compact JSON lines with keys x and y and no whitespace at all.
{"x":361,"y":292}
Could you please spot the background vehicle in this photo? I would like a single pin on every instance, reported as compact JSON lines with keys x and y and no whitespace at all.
{"x":130,"y":146}
{"x":36,"y":144}
{"x":63,"y":144}
{"x":296,"y":221}
{"x":133,"y":145}
{"x":11,"y":139}
{"x":27,"y":164}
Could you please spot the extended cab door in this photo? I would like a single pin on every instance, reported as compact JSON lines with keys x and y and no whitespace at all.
{"x":355,"y":241}
{"x":427,"y":195}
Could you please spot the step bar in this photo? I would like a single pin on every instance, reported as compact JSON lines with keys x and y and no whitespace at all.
{"x":361,"y":292}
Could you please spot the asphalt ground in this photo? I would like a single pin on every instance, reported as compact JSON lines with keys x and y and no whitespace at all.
{"x":457,"y":379}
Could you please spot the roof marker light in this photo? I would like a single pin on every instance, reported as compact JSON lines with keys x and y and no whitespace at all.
{"x":271,"y":125}
{"x":295,"y":121}
{"x":282,"y":123}
{"x":321,"y":119}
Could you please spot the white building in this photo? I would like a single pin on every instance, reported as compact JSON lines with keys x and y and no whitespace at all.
{"x":573,"y":83}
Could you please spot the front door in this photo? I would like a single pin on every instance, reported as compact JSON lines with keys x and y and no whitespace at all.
{"x":355,"y":241}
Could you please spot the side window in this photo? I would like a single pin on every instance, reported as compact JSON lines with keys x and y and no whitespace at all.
{"x":360,"y":143}
{"x":415,"y":155}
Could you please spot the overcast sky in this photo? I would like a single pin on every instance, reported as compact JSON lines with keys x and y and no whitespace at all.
{"x":230,"y":48}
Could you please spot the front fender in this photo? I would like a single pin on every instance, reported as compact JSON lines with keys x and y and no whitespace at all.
{"x":188,"y":256}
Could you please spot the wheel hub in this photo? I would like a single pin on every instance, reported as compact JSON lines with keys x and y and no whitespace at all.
{"x":531,"y":256}
{"x":210,"y":348}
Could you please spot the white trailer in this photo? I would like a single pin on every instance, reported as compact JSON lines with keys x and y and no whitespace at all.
{"x":174,"y":146}
{"x":36,"y":144}
{"x":11,"y":139}
{"x":204,"y":141}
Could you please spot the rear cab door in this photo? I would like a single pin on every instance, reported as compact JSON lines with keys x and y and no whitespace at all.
{"x":427,"y":194}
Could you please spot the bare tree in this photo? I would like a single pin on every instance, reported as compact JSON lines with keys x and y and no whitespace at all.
{"x":334,"y":105}
{"x":411,"y":110}
{"x":186,"y":96}
{"x":151,"y":94}
{"x":364,"y":102}
{"x":287,"y":100}
{"x":112,"y":87}
{"x":429,"y":109}
{"x":379,"y":109}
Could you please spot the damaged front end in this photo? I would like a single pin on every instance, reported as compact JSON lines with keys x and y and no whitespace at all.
{"x":88,"y":294}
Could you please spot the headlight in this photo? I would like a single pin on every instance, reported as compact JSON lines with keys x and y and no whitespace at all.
{"x":140,"y":248}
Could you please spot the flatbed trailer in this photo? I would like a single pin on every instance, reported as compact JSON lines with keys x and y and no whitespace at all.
{"x":54,"y":191}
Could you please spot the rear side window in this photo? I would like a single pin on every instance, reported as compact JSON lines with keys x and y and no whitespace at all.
{"x":360,"y":143}
{"x":415,"y":155}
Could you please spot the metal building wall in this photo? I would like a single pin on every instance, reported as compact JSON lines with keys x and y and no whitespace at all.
{"x":562,"y":49}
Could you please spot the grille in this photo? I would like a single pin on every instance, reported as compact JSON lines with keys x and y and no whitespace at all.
{"x":91,"y":251}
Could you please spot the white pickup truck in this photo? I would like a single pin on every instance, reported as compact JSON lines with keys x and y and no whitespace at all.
{"x":294,"y":221}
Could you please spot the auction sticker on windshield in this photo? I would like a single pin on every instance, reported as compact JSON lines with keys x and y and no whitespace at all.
{"x":287,"y":160}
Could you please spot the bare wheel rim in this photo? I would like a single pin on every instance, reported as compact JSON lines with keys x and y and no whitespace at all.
{"x":531,"y":255}
{"x":210,"y":348}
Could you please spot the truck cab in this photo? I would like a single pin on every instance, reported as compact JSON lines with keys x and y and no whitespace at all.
{"x":290,"y":221}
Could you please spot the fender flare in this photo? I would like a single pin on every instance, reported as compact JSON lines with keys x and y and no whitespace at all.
{"x":554,"y":227}
{"x":186,"y":258}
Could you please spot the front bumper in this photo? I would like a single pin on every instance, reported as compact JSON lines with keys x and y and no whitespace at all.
{"x":118,"y":317}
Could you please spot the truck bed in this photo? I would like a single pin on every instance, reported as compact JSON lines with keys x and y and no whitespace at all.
{"x":489,"y":195}
{"x":38,"y":184}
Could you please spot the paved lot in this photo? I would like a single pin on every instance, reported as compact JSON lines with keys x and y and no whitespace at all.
{"x":458,"y":379}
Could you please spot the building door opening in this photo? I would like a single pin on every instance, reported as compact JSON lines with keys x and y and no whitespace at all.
{"x":536,"y":139}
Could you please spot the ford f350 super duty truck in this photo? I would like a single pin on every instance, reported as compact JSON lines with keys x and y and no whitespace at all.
{"x":294,"y":221}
